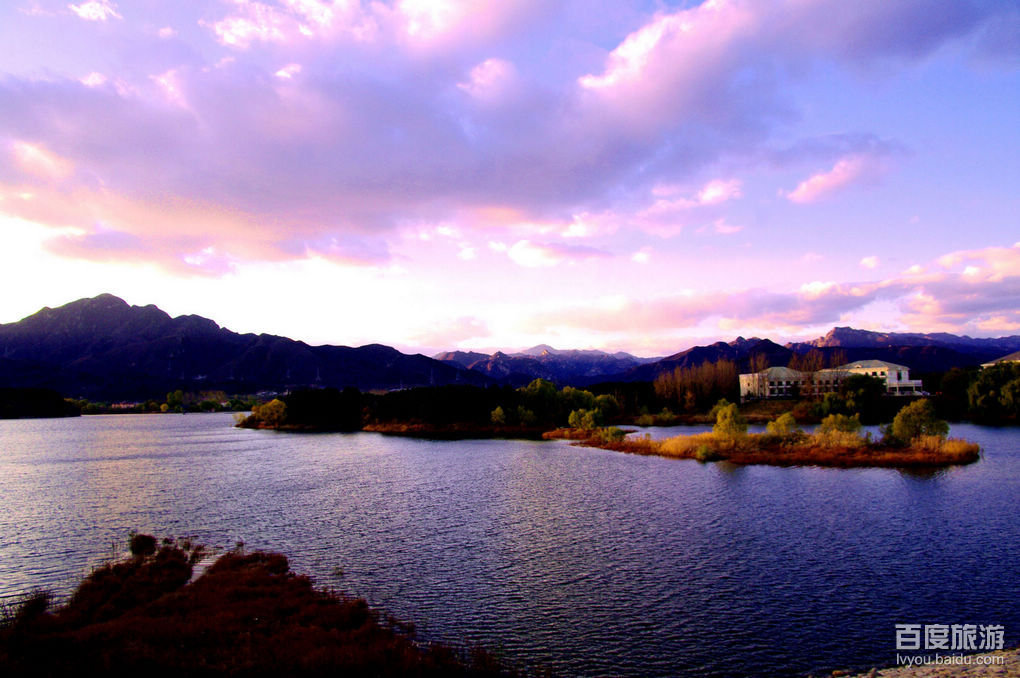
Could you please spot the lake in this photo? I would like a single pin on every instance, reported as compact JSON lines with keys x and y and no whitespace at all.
{"x":588,"y":561}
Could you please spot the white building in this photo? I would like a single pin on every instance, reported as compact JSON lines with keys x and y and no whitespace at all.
{"x":780,"y":382}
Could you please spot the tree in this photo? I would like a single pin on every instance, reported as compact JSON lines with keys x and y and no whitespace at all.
{"x":542,"y":399}
{"x":993,"y":394}
{"x":272,"y":414}
{"x":175,"y":400}
{"x":784,"y":425}
{"x":759,"y":368}
{"x":692,"y":387}
{"x":918,"y":419}
{"x":728,"y":422}
{"x":608,"y":407}
{"x":863,"y":394}
{"x":584,"y":419}
{"x":498,"y":416}
{"x":577,"y":399}
{"x":809,"y":364}
{"x":840,"y":422}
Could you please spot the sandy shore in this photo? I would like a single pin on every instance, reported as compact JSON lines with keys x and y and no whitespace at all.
{"x":977,"y":668}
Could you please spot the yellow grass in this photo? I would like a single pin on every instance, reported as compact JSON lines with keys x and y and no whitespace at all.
{"x":833,"y":448}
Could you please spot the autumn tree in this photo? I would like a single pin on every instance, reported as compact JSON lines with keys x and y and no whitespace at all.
{"x":698,"y":387}
{"x":808,"y":364}
{"x":759,"y":366}
{"x":918,"y":419}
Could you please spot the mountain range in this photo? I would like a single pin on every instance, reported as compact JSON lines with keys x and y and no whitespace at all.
{"x":575,"y":367}
{"x":102,"y":348}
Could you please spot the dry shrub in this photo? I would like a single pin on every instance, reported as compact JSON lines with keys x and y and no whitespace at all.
{"x":841,"y":439}
{"x":247,"y":615}
{"x":687,"y":446}
{"x":952,"y":448}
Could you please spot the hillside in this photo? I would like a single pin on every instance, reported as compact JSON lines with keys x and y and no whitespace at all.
{"x":103,"y":348}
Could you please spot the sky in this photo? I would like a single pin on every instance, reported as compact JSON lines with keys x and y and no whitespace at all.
{"x":494,"y":174}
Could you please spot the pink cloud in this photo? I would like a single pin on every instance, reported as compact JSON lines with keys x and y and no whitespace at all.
{"x":96,"y":10}
{"x":37,"y":160}
{"x":846,"y":172}
{"x":383,"y":128}
{"x":538,"y":255}
{"x":982,"y":302}
{"x":452,"y":332}
{"x":491,"y":81}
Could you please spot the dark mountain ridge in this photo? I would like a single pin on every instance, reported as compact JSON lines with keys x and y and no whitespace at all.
{"x":920,"y":352}
{"x":573,"y":367}
{"x":849,"y":337}
{"x":103,"y":348}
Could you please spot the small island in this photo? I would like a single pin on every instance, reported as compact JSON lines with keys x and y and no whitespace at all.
{"x":914,"y":439}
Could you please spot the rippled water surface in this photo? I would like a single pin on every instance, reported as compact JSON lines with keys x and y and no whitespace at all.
{"x":587,"y":561}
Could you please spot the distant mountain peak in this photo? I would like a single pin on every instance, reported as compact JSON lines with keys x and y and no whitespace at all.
{"x":541,"y":349}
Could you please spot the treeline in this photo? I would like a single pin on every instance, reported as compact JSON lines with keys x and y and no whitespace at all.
{"x":696,"y":389}
{"x":986,"y":396}
{"x":178,"y":401}
{"x":532,"y":409}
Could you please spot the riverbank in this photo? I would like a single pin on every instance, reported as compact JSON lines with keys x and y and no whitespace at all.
{"x":984,"y":665}
{"x":247,"y":614}
{"x":456,"y":431}
{"x":836,"y":449}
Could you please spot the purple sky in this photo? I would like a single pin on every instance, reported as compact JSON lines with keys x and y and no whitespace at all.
{"x":434,"y":174}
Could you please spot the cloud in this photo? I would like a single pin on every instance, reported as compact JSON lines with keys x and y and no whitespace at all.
{"x":985,"y":298}
{"x":721,"y":226}
{"x":869,"y":262}
{"x":491,"y":81}
{"x":642,"y":256}
{"x":288,"y":71}
{"x":452,"y":332}
{"x":434,"y":112}
{"x":94,"y":79}
{"x":37,"y":160}
{"x":718,"y":191}
{"x":116,"y":247}
{"x":96,"y":10}
{"x":255,"y":22}
{"x":844,"y":173}
{"x":537,"y":255}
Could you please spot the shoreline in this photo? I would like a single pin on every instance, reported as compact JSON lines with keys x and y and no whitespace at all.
{"x":760,"y":449}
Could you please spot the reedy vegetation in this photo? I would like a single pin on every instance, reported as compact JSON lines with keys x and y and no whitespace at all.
{"x":836,"y":442}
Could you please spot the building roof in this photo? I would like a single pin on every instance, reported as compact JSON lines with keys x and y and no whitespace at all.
{"x":778,"y":373}
{"x":872,"y":365}
{"x":783,"y":373}
{"x":1011,"y":358}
